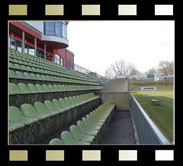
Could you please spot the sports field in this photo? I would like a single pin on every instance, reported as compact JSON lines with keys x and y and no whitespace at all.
{"x":162,"y":115}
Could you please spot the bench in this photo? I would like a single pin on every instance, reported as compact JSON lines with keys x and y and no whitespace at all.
{"x":155,"y":102}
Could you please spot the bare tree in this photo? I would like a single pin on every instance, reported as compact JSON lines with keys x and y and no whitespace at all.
{"x":165,"y":67}
{"x":119,"y":68}
{"x":109,"y":74}
{"x":151,"y":71}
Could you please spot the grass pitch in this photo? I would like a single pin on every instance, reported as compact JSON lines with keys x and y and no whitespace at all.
{"x":162,"y":115}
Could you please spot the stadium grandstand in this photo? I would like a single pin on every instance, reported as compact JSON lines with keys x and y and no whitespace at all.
{"x":54,"y":101}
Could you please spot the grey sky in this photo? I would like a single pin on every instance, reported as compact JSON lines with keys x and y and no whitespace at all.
{"x":97,"y":44}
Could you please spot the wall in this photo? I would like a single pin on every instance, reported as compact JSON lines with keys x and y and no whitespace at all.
{"x":61,"y":52}
{"x":36,"y":24}
{"x":69,"y":59}
{"x":116,"y":91}
{"x":118,"y":85}
{"x":121,"y":100}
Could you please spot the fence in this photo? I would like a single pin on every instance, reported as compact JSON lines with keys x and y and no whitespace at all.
{"x":86,"y":71}
{"x":147,"y":131}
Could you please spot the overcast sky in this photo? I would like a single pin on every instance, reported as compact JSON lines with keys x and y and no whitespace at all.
{"x":97,"y":44}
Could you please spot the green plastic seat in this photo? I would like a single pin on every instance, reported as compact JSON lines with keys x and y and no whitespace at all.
{"x":42,"y":77}
{"x":40,"y":88}
{"x":71,"y":101}
{"x":17,"y":117}
{"x":41,"y":108}
{"x":61,"y":88}
{"x":11,"y":65}
{"x":62,"y":102}
{"x":90,"y":125}
{"x":58,"y":105}
{"x":66,"y":88}
{"x":14,"y":89}
{"x":32,"y":88}
{"x":55,"y":88}
{"x":24,"y":88}
{"x":52,"y":107}
{"x":92,"y":121}
{"x":85,"y":130}
{"x":47,"y":78}
{"x":12,"y":74}
{"x":14,"y":126}
{"x":27,"y":75}
{"x":54,"y":78}
{"x":46,"y":88}
{"x":29,"y":111}
{"x":78,"y":135}
{"x":68,"y":103}
{"x":17,"y":66}
{"x":38,"y":76}
{"x":33,"y":76}
{"x":20,"y":75}
{"x":96,"y":118}
{"x":56,"y":141}
{"x":28,"y":68}
{"x":51,"y":88}
{"x":69,"y":140}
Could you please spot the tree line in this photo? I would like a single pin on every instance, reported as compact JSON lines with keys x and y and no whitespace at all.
{"x":124,"y":68}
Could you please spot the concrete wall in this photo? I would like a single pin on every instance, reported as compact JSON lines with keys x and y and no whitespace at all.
{"x":118,"y":85}
{"x":121,"y":100}
{"x":116,"y":91}
{"x":41,"y":97}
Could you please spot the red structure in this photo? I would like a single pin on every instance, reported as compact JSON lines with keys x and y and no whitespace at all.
{"x":45,"y":39}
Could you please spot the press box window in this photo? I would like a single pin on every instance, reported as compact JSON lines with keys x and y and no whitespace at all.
{"x":49,"y":28}
{"x":58,"y":29}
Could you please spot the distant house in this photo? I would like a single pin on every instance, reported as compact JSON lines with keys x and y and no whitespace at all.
{"x":157,"y":77}
{"x":133,"y":76}
{"x":141,"y":76}
{"x":123,"y":76}
{"x":138,"y":76}
{"x":150,"y":75}
{"x":160,"y":76}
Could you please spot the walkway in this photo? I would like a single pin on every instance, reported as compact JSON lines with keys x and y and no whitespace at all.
{"x":120,"y":129}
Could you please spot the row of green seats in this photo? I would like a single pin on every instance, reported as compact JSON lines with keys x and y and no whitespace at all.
{"x":30,"y":114}
{"x":42,"y":77}
{"x":44,"y":63}
{"x":30,"y":58}
{"x":87,"y":129}
{"x":47,"y":72}
{"x":41,"y":66}
{"x":47,"y":63}
{"x":22,"y":88}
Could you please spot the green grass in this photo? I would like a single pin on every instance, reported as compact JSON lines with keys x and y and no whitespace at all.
{"x":162,"y":115}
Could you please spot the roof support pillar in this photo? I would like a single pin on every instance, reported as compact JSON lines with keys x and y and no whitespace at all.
{"x":44,"y":50}
{"x":23,"y":42}
{"x":35,"y":46}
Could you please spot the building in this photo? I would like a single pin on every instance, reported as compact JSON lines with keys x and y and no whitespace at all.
{"x":138,"y":76}
{"x":42,"y":38}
